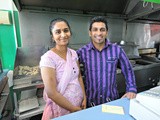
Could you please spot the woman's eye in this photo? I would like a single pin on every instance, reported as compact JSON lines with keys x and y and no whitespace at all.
{"x":57,"y":32}
{"x":66,"y":30}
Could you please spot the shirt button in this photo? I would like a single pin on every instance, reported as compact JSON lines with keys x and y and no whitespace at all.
{"x":100,"y":95}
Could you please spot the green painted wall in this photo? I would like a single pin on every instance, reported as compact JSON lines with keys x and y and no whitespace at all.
{"x":7,"y":45}
{"x":154,"y":1}
{"x":18,"y":36}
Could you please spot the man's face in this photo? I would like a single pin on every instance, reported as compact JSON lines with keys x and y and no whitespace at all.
{"x":98,"y":33}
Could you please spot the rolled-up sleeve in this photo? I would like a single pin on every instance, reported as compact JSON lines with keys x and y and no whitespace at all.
{"x":128,"y":72}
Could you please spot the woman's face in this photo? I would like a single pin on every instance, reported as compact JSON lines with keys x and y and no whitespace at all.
{"x":61,"y":33}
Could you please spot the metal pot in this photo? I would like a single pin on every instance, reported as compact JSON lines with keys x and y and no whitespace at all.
{"x":122,"y":42}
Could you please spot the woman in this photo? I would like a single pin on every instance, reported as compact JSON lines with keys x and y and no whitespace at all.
{"x":64,"y":89}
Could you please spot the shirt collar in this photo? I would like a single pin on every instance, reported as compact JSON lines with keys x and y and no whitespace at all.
{"x":91,"y":46}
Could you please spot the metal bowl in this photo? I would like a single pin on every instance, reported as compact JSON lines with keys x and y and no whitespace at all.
{"x":122,"y":42}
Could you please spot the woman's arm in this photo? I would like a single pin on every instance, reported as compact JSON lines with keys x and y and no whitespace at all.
{"x":49,"y":79}
{"x":83,"y":106}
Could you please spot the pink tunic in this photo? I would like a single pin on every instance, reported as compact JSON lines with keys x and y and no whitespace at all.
{"x":73,"y":91}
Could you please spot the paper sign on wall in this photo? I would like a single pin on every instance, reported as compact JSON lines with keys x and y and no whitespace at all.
{"x":4,"y":17}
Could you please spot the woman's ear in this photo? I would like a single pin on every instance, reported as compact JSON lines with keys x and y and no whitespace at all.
{"x":52,"y":38}
{"x":89,"y":33}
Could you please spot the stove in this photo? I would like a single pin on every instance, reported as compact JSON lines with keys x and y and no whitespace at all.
{"x":147,"y":74}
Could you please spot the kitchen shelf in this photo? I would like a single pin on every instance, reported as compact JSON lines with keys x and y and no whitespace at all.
{"x":30,"y":89}
{"x":150,"y":53}
{"x":134,"y":45}
{"x":6,"y":108}
{"x":3,"y":100}
{"x":27,"y":86}
{"x":32,"y":112}
{"x":27,"y":81}
{"x":28,"y":104}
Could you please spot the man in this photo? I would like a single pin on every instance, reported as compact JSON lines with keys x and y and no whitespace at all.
{"x":100,"y":59}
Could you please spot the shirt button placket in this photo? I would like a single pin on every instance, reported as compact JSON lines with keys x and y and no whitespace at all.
{"x":101,"y":99}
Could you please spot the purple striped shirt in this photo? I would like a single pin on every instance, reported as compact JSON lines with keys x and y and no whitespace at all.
{"x":100,"y":72}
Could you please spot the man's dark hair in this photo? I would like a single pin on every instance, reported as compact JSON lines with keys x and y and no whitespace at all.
{"x":98,"y":19}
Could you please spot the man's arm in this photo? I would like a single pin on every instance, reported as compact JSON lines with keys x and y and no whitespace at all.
{"x":129,"y":75}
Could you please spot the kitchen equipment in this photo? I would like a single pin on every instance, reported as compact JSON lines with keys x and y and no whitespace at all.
{"x":146,"y":68}
{"x":131,"y":49}
{"x":122,"y":42}
{"x":148,"y":102}
{"x":27,"y":82}
{"x":147,"y":52}
{"x":150,"y":99}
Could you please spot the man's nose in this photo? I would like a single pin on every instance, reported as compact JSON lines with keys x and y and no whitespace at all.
{"x":99,"y":32}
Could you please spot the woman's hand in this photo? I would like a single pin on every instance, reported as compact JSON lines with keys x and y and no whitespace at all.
{"x":83,"y":106}
{"x":75,"y":109}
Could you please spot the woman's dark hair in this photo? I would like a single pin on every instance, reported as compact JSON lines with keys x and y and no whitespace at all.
{"x":98,"y":19}
{"x":54,"y":21}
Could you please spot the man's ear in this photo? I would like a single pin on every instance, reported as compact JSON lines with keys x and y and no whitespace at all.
{"x":107,"y":34}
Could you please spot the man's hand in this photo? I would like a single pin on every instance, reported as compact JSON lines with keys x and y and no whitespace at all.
{"x":129,"y":95}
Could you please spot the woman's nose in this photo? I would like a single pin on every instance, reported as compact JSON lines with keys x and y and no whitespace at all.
{"x":63,"y":34}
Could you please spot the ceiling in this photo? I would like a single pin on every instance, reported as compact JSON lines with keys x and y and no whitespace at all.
{"x":130,"y":10}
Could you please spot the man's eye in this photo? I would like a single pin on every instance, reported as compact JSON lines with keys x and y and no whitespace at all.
{"x":94,"y":29}
{"x":103,"y":30}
